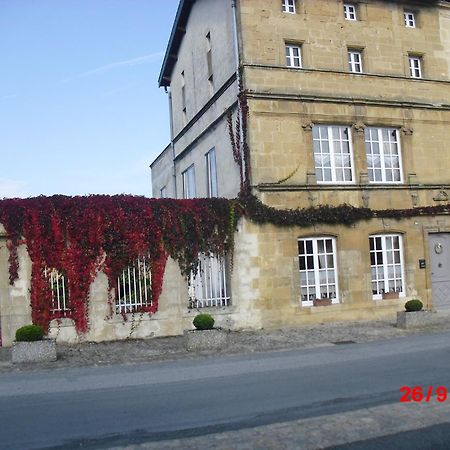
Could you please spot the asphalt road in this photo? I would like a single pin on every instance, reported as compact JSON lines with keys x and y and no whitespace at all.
{"x":119,"y":405}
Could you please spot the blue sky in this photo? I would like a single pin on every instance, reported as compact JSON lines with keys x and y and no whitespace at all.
{"x":80,"y":108}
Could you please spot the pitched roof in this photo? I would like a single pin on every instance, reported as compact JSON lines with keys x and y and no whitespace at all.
{"x":176,"y":36}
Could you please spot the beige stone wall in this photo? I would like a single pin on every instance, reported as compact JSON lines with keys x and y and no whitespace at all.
{"x":320,"y":28}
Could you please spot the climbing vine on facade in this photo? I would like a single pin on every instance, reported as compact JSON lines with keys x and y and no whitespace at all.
{"x":79,"y":236}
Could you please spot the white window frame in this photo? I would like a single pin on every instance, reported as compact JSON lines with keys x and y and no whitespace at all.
{"x":415,"y":66}
{"x":410,"y":19}
{"x":291,"y":58}
{"x":60,"y":301}
{"x":211,"y":174}
{"x":355,"y":60}
{"x":350,"y":12}
{"x":335,"y":151}
{"x":134,"y":287}
{"x":383,"y":271}
{"x":209,"y":287}
{"x":288,"y":6}
{"x":310,"y":281}
{"x":188,"y":177}
{"x":383,"y":154}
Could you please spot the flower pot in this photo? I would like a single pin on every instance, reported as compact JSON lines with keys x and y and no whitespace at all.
{"x":411,"y":319}
{"x":37,"y":351}
{"x":390,"y":295}
{"x":198,"y":340}
{"x":322,"y":301}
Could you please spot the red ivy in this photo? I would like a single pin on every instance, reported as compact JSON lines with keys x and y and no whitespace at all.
{"x":79,"y":236}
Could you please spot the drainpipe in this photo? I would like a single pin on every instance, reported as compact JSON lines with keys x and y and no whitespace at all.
{"x":174,"y":174}
{"x":238,"y":73}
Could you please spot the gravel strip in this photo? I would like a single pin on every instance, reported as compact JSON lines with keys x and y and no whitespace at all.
{"x":133,"y":351}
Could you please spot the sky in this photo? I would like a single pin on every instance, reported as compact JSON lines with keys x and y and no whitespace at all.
{"x":80,"y":108}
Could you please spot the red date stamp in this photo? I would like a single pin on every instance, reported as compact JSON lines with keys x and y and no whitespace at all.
{"x":418,"y":394}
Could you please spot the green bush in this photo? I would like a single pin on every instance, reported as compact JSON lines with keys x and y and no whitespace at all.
{"x":413,"y":305}
{"x":29,"y":333}
{"x":203,"y":322}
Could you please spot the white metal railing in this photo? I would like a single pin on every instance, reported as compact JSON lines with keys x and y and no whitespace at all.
{"x":134,"y":287}
{"x":209,"y":287}
{"x":59,"y":291}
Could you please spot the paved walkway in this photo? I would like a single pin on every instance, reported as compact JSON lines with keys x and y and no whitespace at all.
{"x":171,"y":348}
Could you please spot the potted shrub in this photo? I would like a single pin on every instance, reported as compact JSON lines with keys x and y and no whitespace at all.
{"x":30,"y":345}
{"x":414,"y":315}
{"x":205,"y":336}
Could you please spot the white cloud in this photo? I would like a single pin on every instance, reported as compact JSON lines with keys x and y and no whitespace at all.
{"x":127,"y":63}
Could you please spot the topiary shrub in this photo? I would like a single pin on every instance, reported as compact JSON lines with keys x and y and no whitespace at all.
{"x":203,"y":322}
{"x":413,"y":305}
{"x":29,"y":333}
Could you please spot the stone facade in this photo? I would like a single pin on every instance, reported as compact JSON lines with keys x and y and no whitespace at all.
{"x":287,"y":105}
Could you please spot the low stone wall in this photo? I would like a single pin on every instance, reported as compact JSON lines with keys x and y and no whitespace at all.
{"x":197,"y":340}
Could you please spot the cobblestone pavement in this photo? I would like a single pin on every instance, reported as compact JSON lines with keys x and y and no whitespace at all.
{"x":171,"y":348}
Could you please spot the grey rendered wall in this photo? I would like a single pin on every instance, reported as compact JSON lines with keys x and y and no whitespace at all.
{"x":205,"y":124}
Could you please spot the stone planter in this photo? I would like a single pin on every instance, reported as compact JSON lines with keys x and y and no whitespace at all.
{"x":390,"y":295}
{"x":413,"y":319}
{"x":196,"y":340}
{"x":37,"y":351}
{"x":322,"y":301}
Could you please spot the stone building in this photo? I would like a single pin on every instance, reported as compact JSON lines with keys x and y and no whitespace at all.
{"x":349,"y":102}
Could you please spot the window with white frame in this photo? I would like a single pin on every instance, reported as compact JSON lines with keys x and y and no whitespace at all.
{"x":288,"y":6}
{"x":350,"y":11}
{"x":209,"y":287}
{"x":355,"y":61}
{"x":383,"y":155}
{"x":59,"y":292}
{"x":163,"y":192}
{"x":415,"y":66}
{"x":293,"y":56}
{"x":386,"y":262}
{"x":333,"y":154}
{"x":188,"y":177}
{"x":211,"y":174}
{"x":410,"y":19}
{"x":134,"y":287}
{"x":318,"y":274}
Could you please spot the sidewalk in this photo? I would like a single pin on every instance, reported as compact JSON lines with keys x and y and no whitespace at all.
{"x":172,"y":348}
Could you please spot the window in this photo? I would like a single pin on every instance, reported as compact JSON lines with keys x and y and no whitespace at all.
{"x":134,"y":288}
{"x":183,"y":98}
{"x":209,"y":57}
{"x":209,"y":287}
{"x":288,"y":6}
{"x":415,"y":66}
{"x":59,"y":292}
{"x":293,"y":56}
{"x":349,"y":11}
{"x":383,"y":155}
{"x":355,"y":61}
{"x":410,"y":19}
{"x":163,"y":192}
{"x":318,"y":275}
{"x":189,"y":182}
{"x":386,"y":262}
{"x":211,"y":174}
{"x":333,"y":154}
